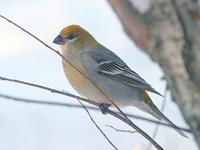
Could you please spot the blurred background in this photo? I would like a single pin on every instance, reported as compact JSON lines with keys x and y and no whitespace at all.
{"x":30,"y":127}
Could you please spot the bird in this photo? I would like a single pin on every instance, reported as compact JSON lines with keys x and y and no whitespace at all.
{"x":97,"y":73}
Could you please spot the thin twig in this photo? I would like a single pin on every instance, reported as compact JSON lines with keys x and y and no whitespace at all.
{"x":97,"y":125}
{"x":135,"y":127}
{"x":50,"y":103}
{"x":120,"y":130}
{"x":126,"y":119}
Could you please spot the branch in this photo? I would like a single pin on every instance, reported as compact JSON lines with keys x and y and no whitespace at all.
{"x":49,"y":89}
{"x":97,"y":126}
{"x":50,"y":103}
{"x":185,"y":11}
{"x":124,"y":118}
{"x":133,"y":23}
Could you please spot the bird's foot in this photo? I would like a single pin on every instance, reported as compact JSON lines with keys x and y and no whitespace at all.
{"x":104,"y":107}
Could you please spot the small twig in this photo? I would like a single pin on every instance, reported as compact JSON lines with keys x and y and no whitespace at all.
{"x":50,"y":103}
{"x":135,"y":127}
{"x":97,"y":125}
{"x":120,"y":130}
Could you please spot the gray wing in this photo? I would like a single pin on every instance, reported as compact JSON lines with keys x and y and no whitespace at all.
{"x":110,"y":65}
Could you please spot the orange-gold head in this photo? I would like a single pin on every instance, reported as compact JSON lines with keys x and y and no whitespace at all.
{"x":74,"y":34}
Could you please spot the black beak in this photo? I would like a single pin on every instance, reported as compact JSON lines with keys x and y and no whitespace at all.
{"x":59,"y":40}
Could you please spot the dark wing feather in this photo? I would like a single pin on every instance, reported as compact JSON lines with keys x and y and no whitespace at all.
{"x":124,"y":74}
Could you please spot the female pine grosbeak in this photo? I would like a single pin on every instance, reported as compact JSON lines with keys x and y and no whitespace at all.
{"x":102,"y":68}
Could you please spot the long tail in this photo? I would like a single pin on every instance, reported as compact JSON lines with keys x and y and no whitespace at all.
{"x":159,"y":115}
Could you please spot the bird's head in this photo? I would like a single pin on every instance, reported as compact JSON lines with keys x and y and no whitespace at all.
{"x":74,"y":35}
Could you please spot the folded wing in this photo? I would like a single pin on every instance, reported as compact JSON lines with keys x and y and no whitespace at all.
{"x":110,"y":65}
{"x":124,"y":74}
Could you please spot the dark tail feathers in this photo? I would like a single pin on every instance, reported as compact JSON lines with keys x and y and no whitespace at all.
{"x":159,"y":115}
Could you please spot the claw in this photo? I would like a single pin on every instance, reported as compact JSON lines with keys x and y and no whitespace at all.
{"x":104,"y":107}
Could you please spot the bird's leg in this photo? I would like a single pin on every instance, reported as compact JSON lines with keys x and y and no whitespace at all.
{"x":104,"y":107}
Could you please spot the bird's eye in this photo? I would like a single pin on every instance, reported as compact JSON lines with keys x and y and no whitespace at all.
{"x":70,"y":37}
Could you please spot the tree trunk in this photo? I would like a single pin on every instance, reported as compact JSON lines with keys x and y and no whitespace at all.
{"x":168,"y":32}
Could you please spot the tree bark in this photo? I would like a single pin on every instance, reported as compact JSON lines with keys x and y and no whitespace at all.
{"x":168,"y":32}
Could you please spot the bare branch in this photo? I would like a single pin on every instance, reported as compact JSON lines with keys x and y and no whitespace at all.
{"x":50,"y":103}
{"x":133,"y":23}
{"x":136,"y":128}
{"x":185,"y":11}
{"x":97,"y":126}
{"x":49,"y":89}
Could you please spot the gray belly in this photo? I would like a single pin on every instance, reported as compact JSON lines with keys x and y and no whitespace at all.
{"x":122,"y":94}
